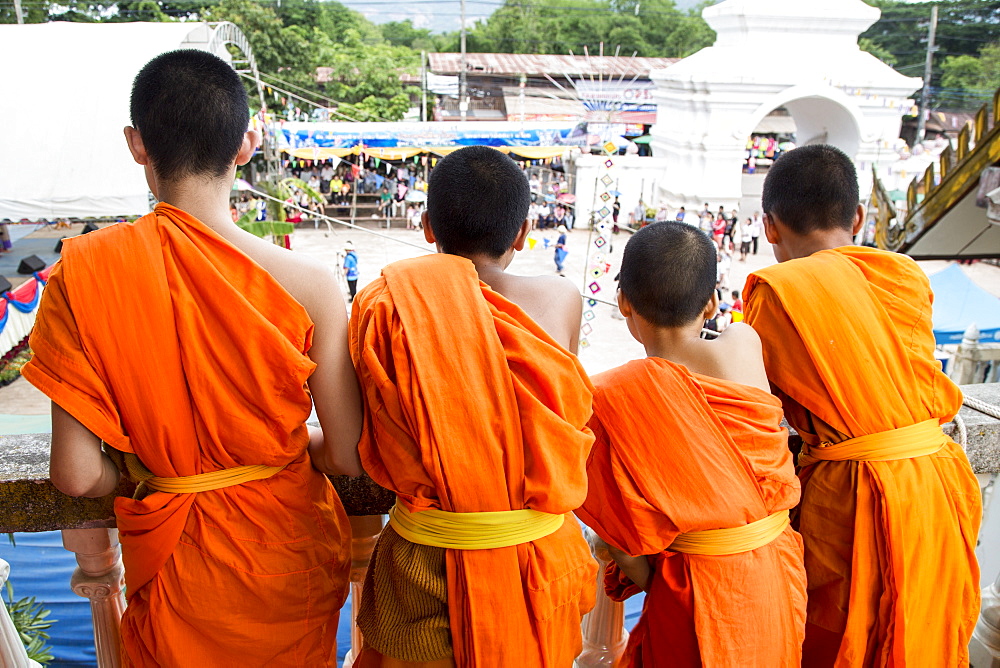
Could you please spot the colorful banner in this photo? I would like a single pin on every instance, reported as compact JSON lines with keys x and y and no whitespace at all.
{"x":296,"y":135}
{"x":17,"y":310}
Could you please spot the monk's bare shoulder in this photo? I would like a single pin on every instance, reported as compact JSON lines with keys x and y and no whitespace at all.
{"x":551,"y":301}
{"x":737,"y":356}
{"x":312,"y":283}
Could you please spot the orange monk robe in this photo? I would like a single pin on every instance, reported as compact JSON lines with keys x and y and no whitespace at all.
{"x":679,"y":452}
{"x":472,"y":407}
{"x":893,"y":578}
{"x":166,"y":341}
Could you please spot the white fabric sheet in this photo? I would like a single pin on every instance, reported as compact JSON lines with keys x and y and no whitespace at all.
{"x":64,"y":99}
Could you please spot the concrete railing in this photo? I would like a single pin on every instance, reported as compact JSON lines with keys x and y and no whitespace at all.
{"x":975,"y":361}
{"x":30,"y":503}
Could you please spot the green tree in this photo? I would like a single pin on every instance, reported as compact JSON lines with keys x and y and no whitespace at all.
{"x":877,"y":50}
{"x":971,"y":81}
{"x":963,"y":27}
{"x":644,"y":27}
{"x":402,"y":33}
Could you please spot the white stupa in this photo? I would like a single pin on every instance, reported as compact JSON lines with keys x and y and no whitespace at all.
{"x":801,"y":55}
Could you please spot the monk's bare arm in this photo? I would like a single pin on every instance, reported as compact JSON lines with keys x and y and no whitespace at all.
{"x":637,"y":569}
{"x":78,"y":466}
{"x":334,"y":385}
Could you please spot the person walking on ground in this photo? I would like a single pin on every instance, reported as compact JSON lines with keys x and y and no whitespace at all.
{"x":5,"y":242}
{"x":476,"y":405}
{"x":719,"y":230}
{"x":561,"y":251}
{"x":677,"y":520}
{"x":186,"y":353}
{"x":616,"y":209}
{"x":746,"y":237}
{"x":351,"y":270}
{"x":890,"y":507}
{"x":756,"y":227}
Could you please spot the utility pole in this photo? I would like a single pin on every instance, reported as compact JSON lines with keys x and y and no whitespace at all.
{"x":928,"y":66}
{"x":17,"y":11}
{"x":423,"y":85}
{"x":463,"y":90}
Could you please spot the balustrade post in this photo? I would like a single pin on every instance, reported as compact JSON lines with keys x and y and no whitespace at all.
{"x":604,"y":634}
{"x":966,"y":360}
{"x":98,"y":577}
{"x":985,"y":647}
{"x":365,"y":531}
{"x":12,"y":652}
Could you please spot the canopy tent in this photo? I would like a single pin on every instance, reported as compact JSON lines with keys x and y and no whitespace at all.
{"x":65,"y":100}
{"x":406,"y":152}
{"x":958,"y":303}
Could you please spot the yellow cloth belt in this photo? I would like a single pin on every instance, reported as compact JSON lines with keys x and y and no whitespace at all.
{"x":204,"y":482}
{"x":187,"y":484}
{"x":734,"y":540}
{"x":917,"y":440}
{"x":472,"y":531}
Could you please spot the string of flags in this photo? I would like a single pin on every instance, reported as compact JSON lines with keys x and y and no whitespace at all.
{"x":598,"y":265}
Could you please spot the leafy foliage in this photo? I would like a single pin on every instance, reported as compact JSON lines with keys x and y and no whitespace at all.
{"x":964,"y":27}
{"x":646,"y":28}
{"x":32,"y":622}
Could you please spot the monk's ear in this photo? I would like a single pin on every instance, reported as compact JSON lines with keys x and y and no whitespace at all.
{"x":712,"y":307}
{"x":135,"y":145}
{"x":522,"y":235}
{"x":859,"y":220}
{"x":251,"y":140}
{"x":771,"y":230}
{"x":624,"y":307}
{"x":425,"y":222}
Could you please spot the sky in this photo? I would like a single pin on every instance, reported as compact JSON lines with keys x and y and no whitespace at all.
{"x":437,"y":15}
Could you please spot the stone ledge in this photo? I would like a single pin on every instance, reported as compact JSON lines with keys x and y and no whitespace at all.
{"x":31,"y":503}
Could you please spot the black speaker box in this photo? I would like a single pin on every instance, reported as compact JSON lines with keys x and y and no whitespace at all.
{"x":5,"y":285}
{"x":30,"y":265}
{"x":90,"y":227}
{"x":58,"y":248}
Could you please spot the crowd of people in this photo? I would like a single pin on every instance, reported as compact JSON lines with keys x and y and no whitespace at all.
{"x":456,"y":386}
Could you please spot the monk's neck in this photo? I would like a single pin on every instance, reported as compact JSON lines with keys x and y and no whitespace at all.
{"x":676,"y":344}
{"x":491,"y":270}
{"x":799,"y":246}
{"x":205,"y":199}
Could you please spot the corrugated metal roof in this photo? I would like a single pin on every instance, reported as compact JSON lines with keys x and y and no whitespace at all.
{"x":539,"y":64}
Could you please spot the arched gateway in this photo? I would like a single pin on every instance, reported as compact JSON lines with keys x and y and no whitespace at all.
{"x":770,"y":54}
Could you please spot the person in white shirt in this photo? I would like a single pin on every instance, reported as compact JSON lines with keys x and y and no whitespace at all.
{"x":756,"y":227}
{"x":746,"y":237}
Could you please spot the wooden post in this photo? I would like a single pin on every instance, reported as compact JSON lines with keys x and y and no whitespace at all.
{"x":966,"y":360}
{"x":99,"y":576}
{"x":12,"y":652}
{"x":365,"y":531}
{"x":604,"y":634}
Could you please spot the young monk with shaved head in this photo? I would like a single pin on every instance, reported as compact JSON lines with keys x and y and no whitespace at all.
{"x":190,"y":348}
{"x":691,"y":479}
{"x":890,"y":507}
{"x":476,"y":413}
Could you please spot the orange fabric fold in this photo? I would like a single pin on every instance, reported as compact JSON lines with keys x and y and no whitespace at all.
{"x":677,"y":453}
{"x":166,"y":341}
{"x":471,"y":407}
{"x":848,"y":344}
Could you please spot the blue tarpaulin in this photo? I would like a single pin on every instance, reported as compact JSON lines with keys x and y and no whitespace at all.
{"x":958,"y":303}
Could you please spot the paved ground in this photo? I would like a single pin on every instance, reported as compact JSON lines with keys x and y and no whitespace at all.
{"x":610,"y":342}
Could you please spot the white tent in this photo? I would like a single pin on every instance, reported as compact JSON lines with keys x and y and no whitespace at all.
{"x":64,"y":99}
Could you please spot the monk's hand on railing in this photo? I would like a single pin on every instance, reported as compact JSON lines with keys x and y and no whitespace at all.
{"x":637,"y":569}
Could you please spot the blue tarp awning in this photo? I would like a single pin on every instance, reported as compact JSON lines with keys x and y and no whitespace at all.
{"x":958,"y":303}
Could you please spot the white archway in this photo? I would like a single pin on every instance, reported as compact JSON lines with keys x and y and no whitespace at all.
{"x":802,"y":56}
